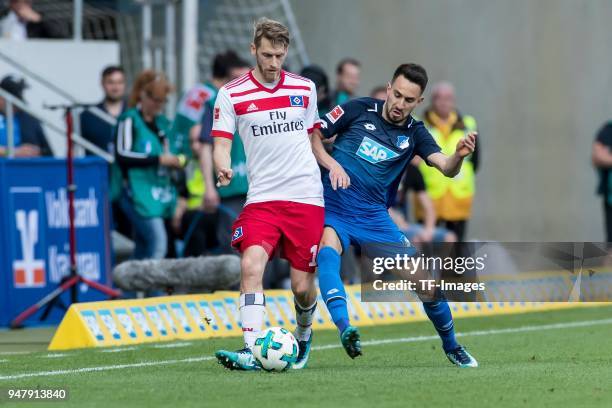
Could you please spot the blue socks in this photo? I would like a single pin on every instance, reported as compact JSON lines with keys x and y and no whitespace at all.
{"x":334,"y":295}
{"x":440,"y":315}
{"x":331,"y":286}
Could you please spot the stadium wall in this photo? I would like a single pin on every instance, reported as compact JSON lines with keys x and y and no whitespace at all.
{"x":536,"y":75}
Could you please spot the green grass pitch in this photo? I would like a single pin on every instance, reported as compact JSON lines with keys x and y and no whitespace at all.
{"x":545,"y":359}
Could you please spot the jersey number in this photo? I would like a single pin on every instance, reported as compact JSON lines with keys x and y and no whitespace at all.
{"x":313,"y":251}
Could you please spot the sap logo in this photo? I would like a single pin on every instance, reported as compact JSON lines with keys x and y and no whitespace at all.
{"x":237,"y":234}
{"x":28,"y":272}
{"x":402,"y":142}
{"x":369,"y":126}
{"x":296,"y":100}
{"x":374,"y":152}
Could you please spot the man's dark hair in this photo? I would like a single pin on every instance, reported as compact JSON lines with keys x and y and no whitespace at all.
{"x":412,"y":72}
{"x":317,"y":75}
{"x":110,"y":70}
{"x":224,"y":62}
{"x":346,"y":61}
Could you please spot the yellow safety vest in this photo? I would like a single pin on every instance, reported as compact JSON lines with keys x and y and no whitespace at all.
{"x":452,"y":197}
{"x":195,"y":185}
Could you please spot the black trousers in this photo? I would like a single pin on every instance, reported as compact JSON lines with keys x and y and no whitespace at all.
{"x":458,"y":227}
{"x":204,"y":235}
{"x":608,"y":220}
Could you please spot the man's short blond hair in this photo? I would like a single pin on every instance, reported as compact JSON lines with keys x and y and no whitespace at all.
{"x":273,"y":30}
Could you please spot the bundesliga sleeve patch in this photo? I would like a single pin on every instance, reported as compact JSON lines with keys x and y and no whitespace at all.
{"x":335,"y":114}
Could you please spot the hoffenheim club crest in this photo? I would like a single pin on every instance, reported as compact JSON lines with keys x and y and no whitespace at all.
{"x":402,"y":142}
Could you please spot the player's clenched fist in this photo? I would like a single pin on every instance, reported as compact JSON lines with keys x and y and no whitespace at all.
{"x":339,"y":178}
{"x":224,"y":176}
{"x":467,"y":144}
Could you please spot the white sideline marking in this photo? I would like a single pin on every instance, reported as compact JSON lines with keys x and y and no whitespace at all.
{"x":3,"y":361}
{"x":55,"y":355}
{"x":12,"y":353}
{"x":522,"y":329}
{"x":106,"y":368}
{"x":118,"y":350}
{"x":171,"y":345}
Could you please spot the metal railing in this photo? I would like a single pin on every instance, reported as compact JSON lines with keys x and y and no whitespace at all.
{"x":54,"y":88}
{"x":12,"y":102}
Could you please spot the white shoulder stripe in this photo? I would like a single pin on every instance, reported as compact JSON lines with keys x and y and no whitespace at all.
{"x":125,"y":141}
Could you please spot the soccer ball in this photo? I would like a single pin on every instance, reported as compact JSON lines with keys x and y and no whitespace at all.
{"x":276,"y":349}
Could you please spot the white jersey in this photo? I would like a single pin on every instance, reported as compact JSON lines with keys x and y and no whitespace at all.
{"x":274,"y":125}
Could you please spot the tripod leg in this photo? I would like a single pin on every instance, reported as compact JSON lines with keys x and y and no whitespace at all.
{"x":56,"y":301}
{"x":42,"y":302}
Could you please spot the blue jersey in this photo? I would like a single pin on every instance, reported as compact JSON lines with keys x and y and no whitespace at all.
{"x":373,"y":152}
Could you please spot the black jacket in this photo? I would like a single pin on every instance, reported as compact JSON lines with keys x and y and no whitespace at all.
{"x":43,"y":29}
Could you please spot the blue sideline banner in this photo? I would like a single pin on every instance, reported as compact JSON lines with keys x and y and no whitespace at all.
{"x":34,"y":241}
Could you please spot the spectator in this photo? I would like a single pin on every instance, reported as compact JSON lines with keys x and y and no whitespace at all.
{"x":347,"y":81}
{"x":143,"y":150}
{"x":29,"y":137}
{"x":379,"y":92}
{"x":102,"y":134}
{"x":602,"y":160}
{"x":319,"y":78}
{"x":197,"y":229}
{"x":426,"y":232}
{"x":226,"y":67}
{"x":452,"y":197}
{"x":20,"y":21}
{"x":95,"y":129}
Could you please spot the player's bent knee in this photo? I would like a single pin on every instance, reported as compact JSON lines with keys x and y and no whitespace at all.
{"x":330,"y":239}
{"x":303,"y":283}
{"x":301,"y":289}
{"x":251,"y":269}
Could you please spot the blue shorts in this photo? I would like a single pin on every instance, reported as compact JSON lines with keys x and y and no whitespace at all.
{"x":376,"y":234}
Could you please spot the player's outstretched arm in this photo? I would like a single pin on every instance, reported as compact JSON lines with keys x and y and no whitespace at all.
{"x":223,"y":160}
{"x":337,"y":175}
{"x":451,"y":165}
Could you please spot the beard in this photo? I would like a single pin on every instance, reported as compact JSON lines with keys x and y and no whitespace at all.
{"x":267,"y":75}
{"x":390,"y":119}
{"x":113,"y":99}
